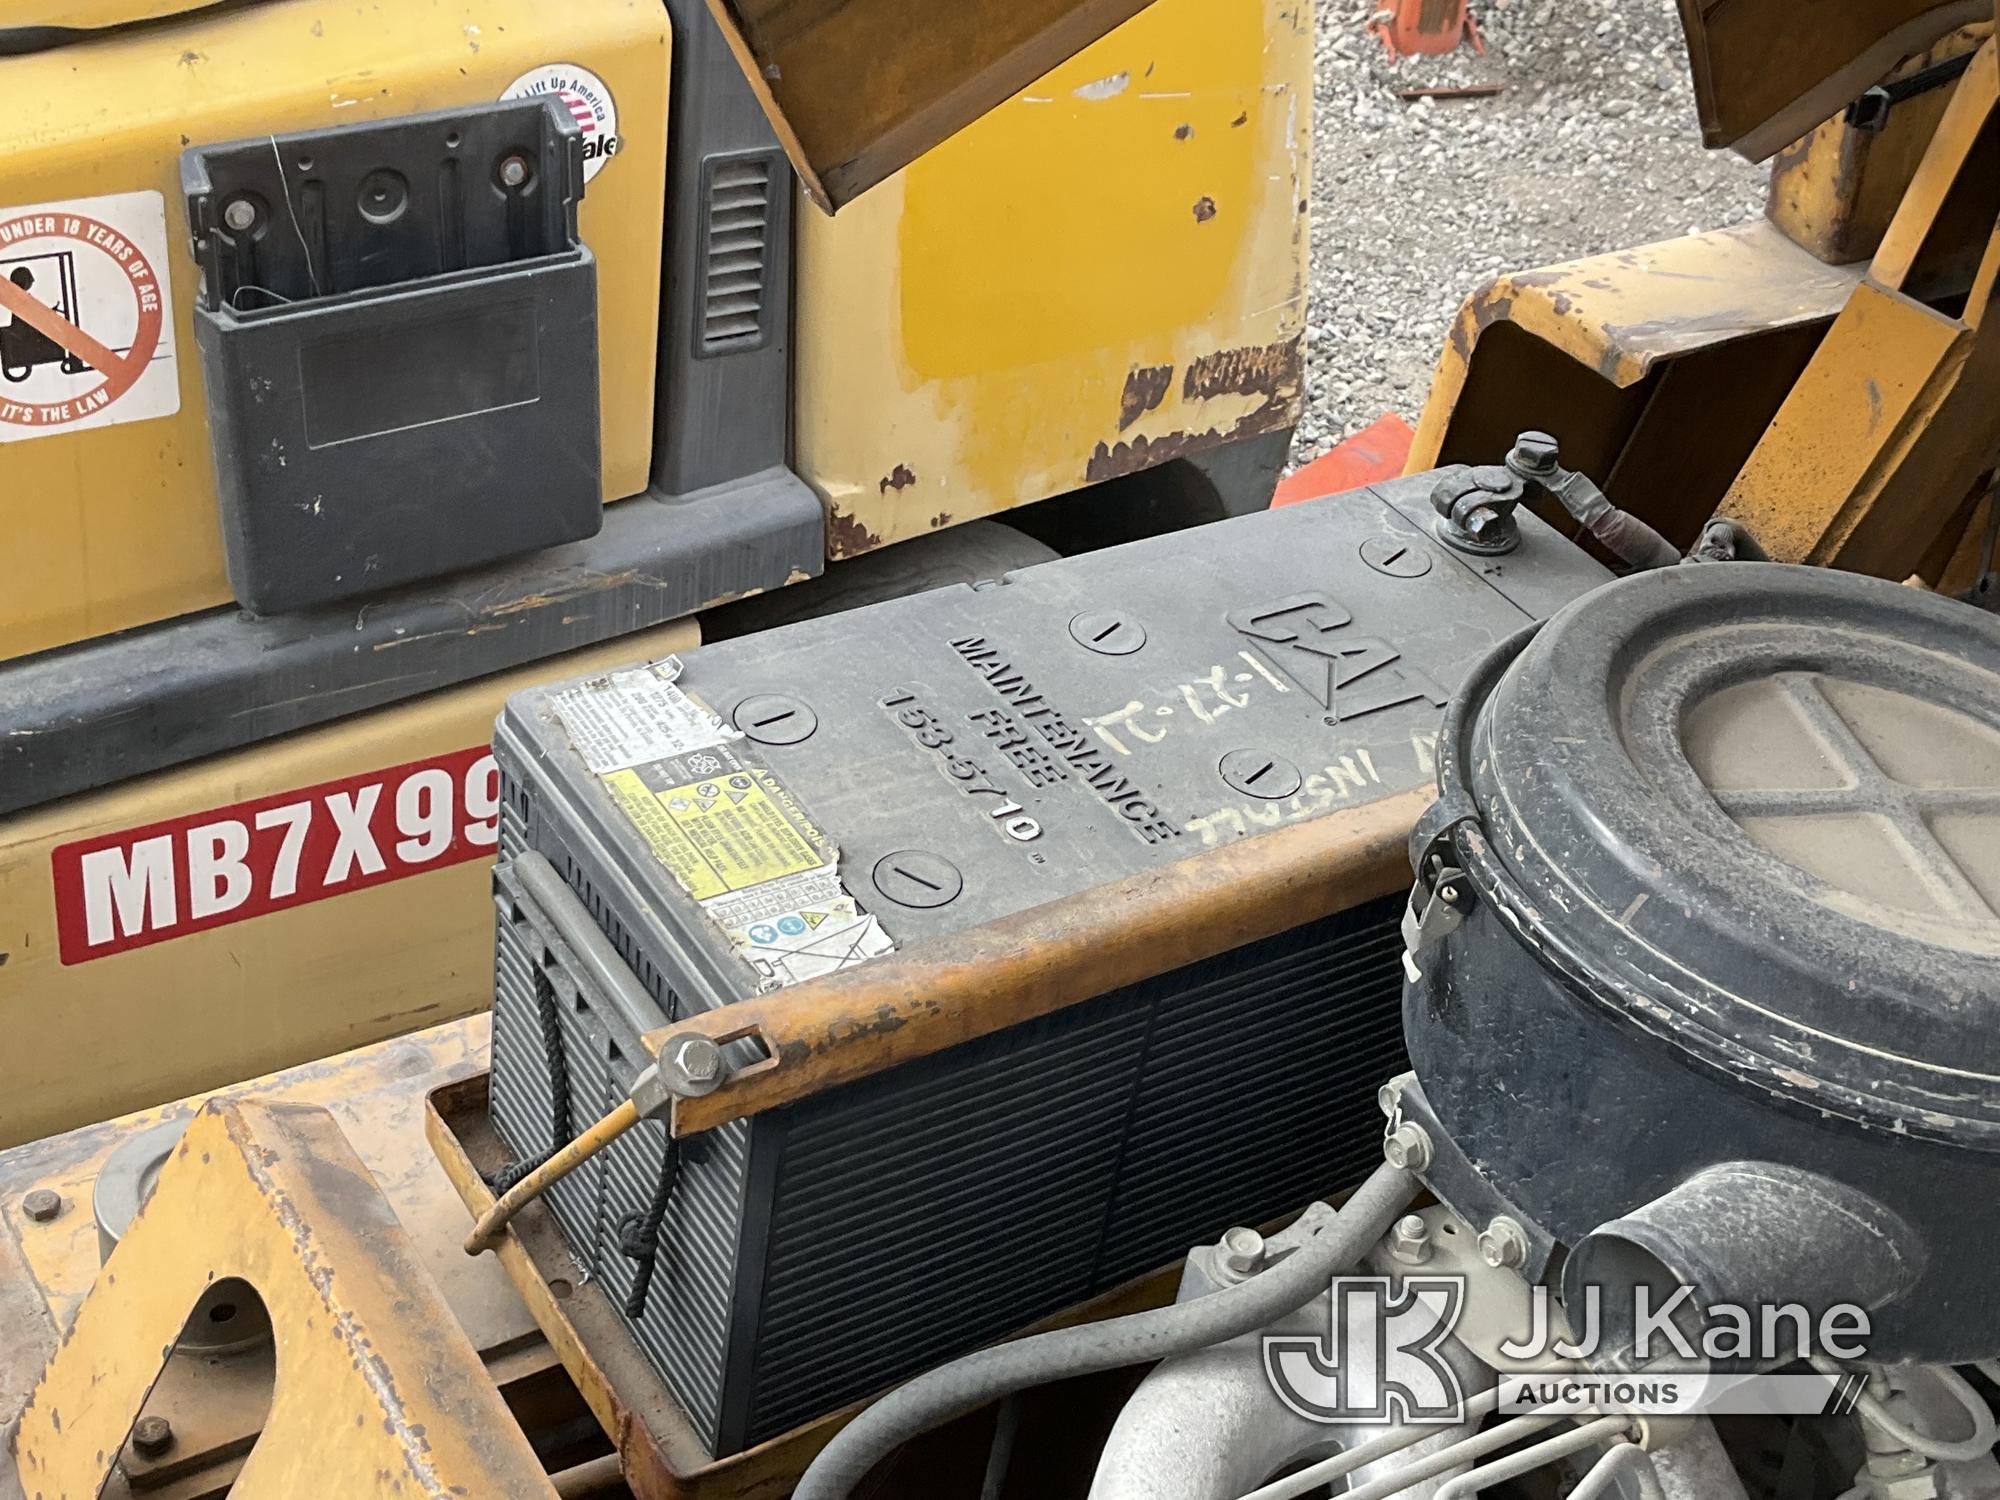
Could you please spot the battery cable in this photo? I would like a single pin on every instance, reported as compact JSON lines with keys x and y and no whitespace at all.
{"x":487,"y":1231}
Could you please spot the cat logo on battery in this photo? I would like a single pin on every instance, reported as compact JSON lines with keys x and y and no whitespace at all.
{"x":588,"y":101}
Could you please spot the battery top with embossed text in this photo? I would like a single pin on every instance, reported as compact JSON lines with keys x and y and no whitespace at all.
{"x":787,"y":804}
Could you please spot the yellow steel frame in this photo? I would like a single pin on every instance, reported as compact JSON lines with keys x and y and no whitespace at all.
{"x":377,"y":1388}
{"x":1898,"y":412}
{"x":1842,"y":414}
{"x":1657,"y":367}
{"x":1835,"y":189}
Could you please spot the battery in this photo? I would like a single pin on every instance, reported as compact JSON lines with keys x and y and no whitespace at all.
{"x":768,"y":809}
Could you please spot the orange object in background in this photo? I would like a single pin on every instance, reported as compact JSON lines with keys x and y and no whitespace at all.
{"x":1410,"y":27}
{"x":1378,"y":451}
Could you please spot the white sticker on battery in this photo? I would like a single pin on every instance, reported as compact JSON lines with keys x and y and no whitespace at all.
{"x":799,"y":927}
{"x":86,"y":315}
{"x":637,"y":715}
{"x":585,"y":98}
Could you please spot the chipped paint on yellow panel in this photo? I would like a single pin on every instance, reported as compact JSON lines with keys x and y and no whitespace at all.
{"x":274,"y":1195}
{"x":116,"y":526}
{"x":1075,"y":262}
{"x":1865,"y":397}
{"x":1018,"y":313}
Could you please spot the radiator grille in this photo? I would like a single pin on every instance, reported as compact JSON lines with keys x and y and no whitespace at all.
{"x":737,"y":210}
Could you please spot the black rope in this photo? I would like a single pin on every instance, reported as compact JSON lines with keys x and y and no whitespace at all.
{"x":639,"y":1235}
{"x":561,"y":1126}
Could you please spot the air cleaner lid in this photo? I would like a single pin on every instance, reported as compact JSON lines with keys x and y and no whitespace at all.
{"x":1755,"y":809}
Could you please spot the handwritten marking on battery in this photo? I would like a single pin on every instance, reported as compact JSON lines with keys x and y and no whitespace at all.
{"x":1322,"y":790}
{"x":146,"y":885}
{"x":1207,"y":697}
{"x":1423,"y":743}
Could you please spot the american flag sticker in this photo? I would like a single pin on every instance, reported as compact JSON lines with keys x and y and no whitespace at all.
{"x":588,"y":100}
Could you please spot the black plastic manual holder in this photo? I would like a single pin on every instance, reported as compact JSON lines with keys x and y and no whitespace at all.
{"x":398,"y":333}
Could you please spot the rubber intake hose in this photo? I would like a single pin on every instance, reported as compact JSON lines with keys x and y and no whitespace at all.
{"x":1628,"y":538}
{"x":1738,"y":1235}
{"x":989,"y":1374}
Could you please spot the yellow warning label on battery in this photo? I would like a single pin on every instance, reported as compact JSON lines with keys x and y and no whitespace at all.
{"x":728,"y":830}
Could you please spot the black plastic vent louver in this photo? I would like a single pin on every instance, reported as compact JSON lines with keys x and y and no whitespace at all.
{"x":736,"y":246}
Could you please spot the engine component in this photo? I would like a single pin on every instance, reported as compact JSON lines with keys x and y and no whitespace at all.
{"x":923,"y":767}
{"x":1706,"y":921}
{"x":1206,"y":1426}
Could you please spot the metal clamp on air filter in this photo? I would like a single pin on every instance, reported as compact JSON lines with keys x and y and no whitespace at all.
{"x":398,"y":330}
{"x":1717,"y":1016}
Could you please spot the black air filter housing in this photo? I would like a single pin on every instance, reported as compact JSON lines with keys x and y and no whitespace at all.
{"x":965,"y":755}
{"x":1725,"y":847}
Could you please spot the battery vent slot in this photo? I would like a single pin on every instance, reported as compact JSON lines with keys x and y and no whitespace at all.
{"x":737,"y":210}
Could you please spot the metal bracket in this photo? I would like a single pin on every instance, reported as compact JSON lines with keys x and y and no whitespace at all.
{"x":1440,"y":900}
{"x":376,"y":1380}
{"x":1870,"y":112}
{"x":1456,"y":1183}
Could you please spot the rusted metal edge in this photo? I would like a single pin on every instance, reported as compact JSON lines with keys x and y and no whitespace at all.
{"x":957,"y":988}
{"x":753,"y":70}
{"x":274,"y":1192}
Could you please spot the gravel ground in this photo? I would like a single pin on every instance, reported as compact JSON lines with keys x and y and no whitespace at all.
{"x":1593,"y":146}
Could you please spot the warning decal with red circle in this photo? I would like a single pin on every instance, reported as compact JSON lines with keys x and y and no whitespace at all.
{"x":86,"y":318}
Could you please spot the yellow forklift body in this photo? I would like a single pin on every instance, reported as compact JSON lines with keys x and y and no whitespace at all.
{"x":113,"y":526}
{"x":1104,"y":273}
{"x":203,"y":925}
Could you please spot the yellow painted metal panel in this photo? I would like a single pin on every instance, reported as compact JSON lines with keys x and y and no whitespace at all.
{"x":1621,"y":314}
{"x":1835,"y":189}
{"x":1895,"y":421}
{"x":104,"y":1034}
{"x":274,"y":1196}
{"x":116,"y":526}
{"x":91,"y":15}
{"x":1868,"y":394}
{"x":1105,"y":272}
{"x":931,"y":69}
